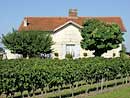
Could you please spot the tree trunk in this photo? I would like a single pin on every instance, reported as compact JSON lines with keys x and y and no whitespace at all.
{"x":27,"y":56}
{"x":33,"y":92}
{"x":6,"y":96}
{"x":72,"y":91}
{"x":106,"y":84}
{"x":28,"y":94}
{"x":12,"y":95}
{"x":126,"y":80}
{"x":42,"y":92}
{"x":77,"y":85}
{"x":86,"y":89}
{"x":45,"y":91}
{"x":97,"y":87}
{"x":129,"y":79}
{"x":115,"y":82}
{"x":102,"y":82}
{"x":22,"y":95}
{"x":122,"y":79}
{"x":91,"y":82}
{"x":59,"y":91}
{"x":70,"y":86}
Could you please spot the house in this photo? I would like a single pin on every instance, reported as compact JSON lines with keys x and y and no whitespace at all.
{"x":8,"y":55}
{"x":66,"y":33}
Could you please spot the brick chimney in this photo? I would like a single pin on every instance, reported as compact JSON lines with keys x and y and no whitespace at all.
{"x":72,"y":12}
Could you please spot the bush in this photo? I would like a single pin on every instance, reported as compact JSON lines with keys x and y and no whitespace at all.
{"x":28,"y":43}
{"x":1,"y":56}
{"x":31,"y":74}
{"x":68,"y":56}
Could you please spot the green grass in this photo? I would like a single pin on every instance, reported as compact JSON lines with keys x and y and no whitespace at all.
{"x":67,"y":92}
{"x":123,"y":92}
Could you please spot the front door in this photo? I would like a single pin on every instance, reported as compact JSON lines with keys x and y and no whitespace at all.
{"x":70,"y":49}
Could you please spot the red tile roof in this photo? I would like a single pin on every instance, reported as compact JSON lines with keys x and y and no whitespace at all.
{"x":51,"y":23}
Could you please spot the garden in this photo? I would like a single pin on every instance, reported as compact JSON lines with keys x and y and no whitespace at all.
{"x":61,"y":78}
{"x":54,"y":78}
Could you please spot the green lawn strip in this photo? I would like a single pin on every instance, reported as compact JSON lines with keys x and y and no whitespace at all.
{"x":122,"y":92}
{"x":81,"y":89}
{"x":25,"y":93}
{"x":53,"y":89}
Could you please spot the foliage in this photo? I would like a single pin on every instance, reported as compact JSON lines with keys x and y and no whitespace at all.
{"x":123,"y":52}
{"x":1,"y":53}
{"x":1,"y":50}
{"x":123,"y":48}
{"x":32,"y":74}
{"x":68,"y":56}
{"x":100,"y":36}
{"x":28,"y":43}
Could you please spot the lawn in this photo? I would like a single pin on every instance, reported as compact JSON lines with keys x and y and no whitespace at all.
{"x":123,"y":92}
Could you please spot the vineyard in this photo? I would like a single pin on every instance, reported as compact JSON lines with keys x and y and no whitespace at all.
{"x":121,"y":92}
{"x":52,"y":76}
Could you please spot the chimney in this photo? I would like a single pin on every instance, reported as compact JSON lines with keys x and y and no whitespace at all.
{"x":72,"y":12}
{"x":25,"y":22}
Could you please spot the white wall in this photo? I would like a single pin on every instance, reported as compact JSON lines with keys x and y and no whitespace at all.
{"x":70,"y":34}
{"x":9,"y":55}
{"x":109,"y":53}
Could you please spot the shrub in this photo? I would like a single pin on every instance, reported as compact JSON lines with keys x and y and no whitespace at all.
{"x":31,"y":74}
{"x":1,"y":56}
{"x":68,"y":56}
{"x":28,"y":43}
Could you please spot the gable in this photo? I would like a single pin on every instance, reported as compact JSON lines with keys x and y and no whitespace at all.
{"x":68,"y":23}
{"x":69,"y":33}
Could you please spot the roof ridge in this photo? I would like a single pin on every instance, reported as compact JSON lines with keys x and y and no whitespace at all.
{"x":100,"y":16}
{"x":45,"y":17}
{"x":72,"y":17}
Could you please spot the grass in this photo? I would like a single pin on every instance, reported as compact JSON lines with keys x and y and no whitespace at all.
{"x":123,"y":92}
{"x":81,"y":89}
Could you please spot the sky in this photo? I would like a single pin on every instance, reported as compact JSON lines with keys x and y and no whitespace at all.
{"x":12,"y":12}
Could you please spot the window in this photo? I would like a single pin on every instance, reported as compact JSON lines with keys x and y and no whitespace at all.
{"x":70,"y":49}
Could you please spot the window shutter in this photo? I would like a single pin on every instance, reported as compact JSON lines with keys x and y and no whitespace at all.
{"x":77,"y":51}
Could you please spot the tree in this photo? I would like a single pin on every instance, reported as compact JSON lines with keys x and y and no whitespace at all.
{"x":1,"y":53}
{"x":28,"y":43}
{"x":123,"y":52}
{"x":100,"y":36}
{"x":1,"y":50}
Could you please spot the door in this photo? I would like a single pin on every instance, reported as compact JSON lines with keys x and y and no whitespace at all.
{"x":70,"y":49}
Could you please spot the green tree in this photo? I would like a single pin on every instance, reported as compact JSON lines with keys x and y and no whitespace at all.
{"x":100,"y":36}
{"x":1,"y":53}
{"x":28,"y":43}
{"x":1,"y":50}
{"x":123,"y":52}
